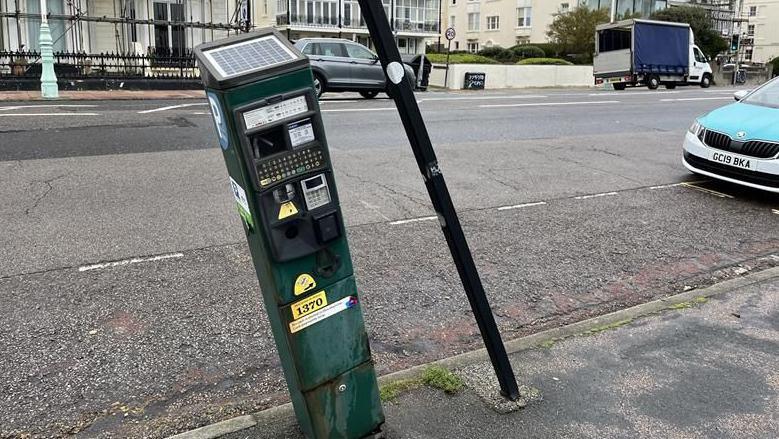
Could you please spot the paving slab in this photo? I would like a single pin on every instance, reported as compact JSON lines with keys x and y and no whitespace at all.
{"x":701,"y":369}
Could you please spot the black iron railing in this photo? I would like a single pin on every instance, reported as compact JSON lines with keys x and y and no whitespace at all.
{"x":157,"y":63}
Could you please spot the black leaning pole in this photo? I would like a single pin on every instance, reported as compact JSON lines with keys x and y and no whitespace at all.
{"x":402,"y":93}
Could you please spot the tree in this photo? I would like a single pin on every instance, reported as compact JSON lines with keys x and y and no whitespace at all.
{"x":574,"y":30}
{"x":709,"y":40}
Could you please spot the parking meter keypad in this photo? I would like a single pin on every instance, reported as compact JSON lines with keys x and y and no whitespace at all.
{"x":293,"y":164}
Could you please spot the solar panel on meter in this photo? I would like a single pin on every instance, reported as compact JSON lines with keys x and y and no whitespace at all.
{"x":248,"y":56}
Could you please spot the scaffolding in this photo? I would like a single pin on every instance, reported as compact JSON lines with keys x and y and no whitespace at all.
{"x":125,"y":23}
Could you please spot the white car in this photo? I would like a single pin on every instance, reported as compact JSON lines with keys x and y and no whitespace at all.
{"x":739,"y":142}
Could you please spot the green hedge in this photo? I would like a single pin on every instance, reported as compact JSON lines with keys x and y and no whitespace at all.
{"x":545,"y":61}
{"x":499,"y":54}
{"x":527,"y":51}
{"x":460,"y":58}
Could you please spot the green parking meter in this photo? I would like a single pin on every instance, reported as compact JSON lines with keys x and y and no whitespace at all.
{"x":260,"y":90}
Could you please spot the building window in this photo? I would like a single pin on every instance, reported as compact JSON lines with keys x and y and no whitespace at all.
{"x":748,"y":54}
{"x":473,"y":22}
{"x":751,"y":30}
{"x":564,"y":7}
{"x":454,"y":2}
{"x":752,"y":11}
{"x":523,"y":17}
{"x":456,"y":45}
{"x":493,"y":23}
{"x":451,"y":21}
{"x":416,"y":15}
{"x":133,"y":26}
{"x":473,"y":47}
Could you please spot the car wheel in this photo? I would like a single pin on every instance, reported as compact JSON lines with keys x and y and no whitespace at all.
{"x":319,"y":85}
{"x":706,"y":81}
{"x":653,"y":82}
{"x":670,"y":85}
{"x":369,"y":94}
{"x":619,"y":86}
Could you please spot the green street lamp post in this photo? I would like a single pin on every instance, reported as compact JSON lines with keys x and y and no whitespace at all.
{"x":49,"y":89}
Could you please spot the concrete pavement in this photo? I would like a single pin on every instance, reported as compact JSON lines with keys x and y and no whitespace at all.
{"x":698,"y":365}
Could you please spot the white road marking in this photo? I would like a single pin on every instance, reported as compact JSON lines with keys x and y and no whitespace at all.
{"x":129,"y":261}
{"x":341,"y":110}
{"x":587,"y":197}
{"x":171,"y":107}
{"x":727,"y":90}
{"x":665,"y":186}
{"x":548,"y":104}
{"x":200,"y":113}
{"x":414,"y":220}
{"x":519,"y":206}
{"x":482,"y":98}
{"x":16,"y":107}
{"x":607,"y":93}
{"x":374,"y":208}
{"x":338,"y":101}
{"x":714,"y":98}
{"x":707,"y":191}
{"x":47,"y":114}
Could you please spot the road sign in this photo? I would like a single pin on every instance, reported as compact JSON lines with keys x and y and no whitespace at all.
{"x":450,"y":34}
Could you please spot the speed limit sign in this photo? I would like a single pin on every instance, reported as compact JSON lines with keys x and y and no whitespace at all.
{"x":449,"y":33}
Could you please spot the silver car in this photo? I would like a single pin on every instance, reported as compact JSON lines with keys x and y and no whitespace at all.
{"x":343,"y":65}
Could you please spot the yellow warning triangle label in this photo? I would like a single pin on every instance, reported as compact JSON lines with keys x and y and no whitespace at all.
{"x":303,"y":283}
{"x":287,"y":209}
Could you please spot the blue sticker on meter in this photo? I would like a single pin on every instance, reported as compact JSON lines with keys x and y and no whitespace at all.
{"x":219,"y":120}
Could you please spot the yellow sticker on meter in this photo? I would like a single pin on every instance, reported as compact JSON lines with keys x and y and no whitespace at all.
{"x":303,"y":283}
{"x":287,"y":209}
{"x":309,"y":305}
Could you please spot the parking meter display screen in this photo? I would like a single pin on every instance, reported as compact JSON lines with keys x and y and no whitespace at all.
{"x":275,"y":112}
{"x":249,"y":56}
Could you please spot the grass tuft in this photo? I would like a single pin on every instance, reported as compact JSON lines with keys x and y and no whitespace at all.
{"x":599,"y":329}
{"x":390,"y":391}
{"x":441,"y":378}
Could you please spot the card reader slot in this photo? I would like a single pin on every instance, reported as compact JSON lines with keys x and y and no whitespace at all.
{"x":268,"y":142}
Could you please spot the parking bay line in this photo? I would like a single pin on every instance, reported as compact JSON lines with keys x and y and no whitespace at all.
{"x":413,"y":220}
{"x":46,"y":114}
{"x":548,"y":104}
{"x":129,"y":261}
{"x":171,"y":107}
{"x":603,"y":194}
{"x":18,"y":107}
{"x":342,"y":110}
{"x":519,"y":206}
{"x":712,"y":98}
{"x":707,"y":191}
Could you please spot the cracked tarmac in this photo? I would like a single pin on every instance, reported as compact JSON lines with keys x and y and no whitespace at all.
{"x":151,"y":348}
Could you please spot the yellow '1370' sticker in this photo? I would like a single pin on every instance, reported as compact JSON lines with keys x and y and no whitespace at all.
{"x":309,"y":305}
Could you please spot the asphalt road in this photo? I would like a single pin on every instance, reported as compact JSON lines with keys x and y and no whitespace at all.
{"x":130,"y":307}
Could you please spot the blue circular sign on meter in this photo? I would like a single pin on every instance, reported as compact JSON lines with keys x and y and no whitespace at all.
{"x":219,"y":120}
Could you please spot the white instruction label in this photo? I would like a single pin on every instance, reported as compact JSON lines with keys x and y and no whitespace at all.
{"x":328,"y":311}
{"x":240,"y":200}
{"x":275,"y":112}
{"x":301,"y":132}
